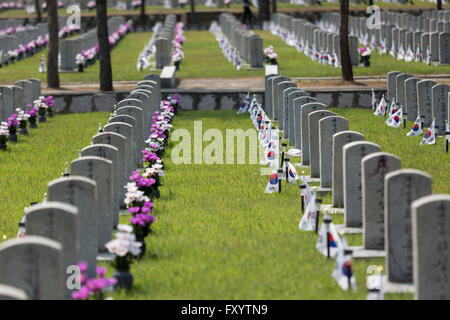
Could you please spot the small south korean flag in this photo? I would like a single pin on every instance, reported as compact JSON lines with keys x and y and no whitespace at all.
{"x":381,"y":108}
{"x":328,"y":237}
{"x":272,"y":185}
{"x":430,"y":136}
{"x":292,"y":173}
{"x":308,"y":221}
{"x":416,"y":129}
{"x":343,"y":271}
{"x":396,"y":119}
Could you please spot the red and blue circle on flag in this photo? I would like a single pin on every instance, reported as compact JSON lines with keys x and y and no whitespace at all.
{"x":273,"y":179}
{"x":271,"y":155}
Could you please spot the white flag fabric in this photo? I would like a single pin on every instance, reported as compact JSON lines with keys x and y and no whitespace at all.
{"x":409,"y":55}
{"x":447,"y":130}
{"x":381,"y":108}
{"x":272,"y":185}
{"x":396,"y":119}
{"x":343,"y":268}
{"x":392,"y":51}
{"x":416,"y":130}
{"x":428,"y":57}
{"x":306,"y":191}
{"x":308,"y":220}
{"x":401,"y":53}
{"x":42,"y":67}
{"x":418,"y":55}
{"x":333,"y":238}
{"x":393,"y":107}
{"x":430,"y":136}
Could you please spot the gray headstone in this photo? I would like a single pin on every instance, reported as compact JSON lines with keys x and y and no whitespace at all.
{"x":430,"y":241}
{"x":402,"y":187}
{"x":36,"y":88}
{"x":12,"y":293}
{"x":111,"y":153}
{"x":280,"y":101}
{"x":411,"y":98}
{"x":80,"y":192}
{"x":434,"y":46}
{"x":33,"y":264}
{"x":144,"y":96}
{"x":439,"y":102}
{"x":57,"y":221}
{"x":305,"y":110}
{"x":99,"y":170}
{"x":275,"y":81}
{"x":118,"y":141}
{"x":139,"y":140}
{"x":328,"y":127}
{"x":444,"y":47}
{"x":7,"y":102}
{"x":400,"y":88}
{"x":268,"y":94}
{"x":424,"y":101}
{"x":339,"y":140}
{"x":286,"y":112}
{"x":352,"y":154}
{"x":314,"y":147}
{"x":297,"y":105}
{"x":27,"y":87}
{"x":296,"y":93}
{"x":125,"y":130}
{"x":17,"y":97}
{"x":392,"y":82}
{"x":374,"y":167}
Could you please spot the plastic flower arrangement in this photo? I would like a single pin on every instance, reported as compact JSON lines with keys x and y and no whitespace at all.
{"x":32,"y":112}
{"x":93,"y":288}
{"x":124,"y":247}
{"x":22,"y":118}
{"x":90,"y":5}
{"x":270,"y":55}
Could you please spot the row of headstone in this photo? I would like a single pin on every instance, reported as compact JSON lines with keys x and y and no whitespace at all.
{"x":417,"y":96}
{"x":19,"y":95}
{"x":83,"y":208}
{"x":315,"y":37}
{"x":163,"y":42}
{"x":248,"y":44}
{"x":393,"y":207}
{"x":11,"y":42}
{"x":73,"y":46}
{"x":430,"y":31}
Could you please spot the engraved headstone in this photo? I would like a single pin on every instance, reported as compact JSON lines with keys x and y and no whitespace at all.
{"x":305,"y":110}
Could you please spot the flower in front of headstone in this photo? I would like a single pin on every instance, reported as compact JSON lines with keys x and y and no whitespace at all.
{"x":125,"y":248}
{"x":94,"y":288}
{"x":12,"y":54}
{"x":22,"y":117}
{"x":61,"y":4}
{"x":42,"y":108}
{"x":79,"y":61}
{"x":12,"y":127}
{"x":136,"y":4}
{"x":365,"y":56}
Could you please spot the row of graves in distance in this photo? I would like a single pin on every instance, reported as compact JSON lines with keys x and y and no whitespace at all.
{"x":405,"y":36}
{"x":75,"y":222}
{"x":393,"y":207}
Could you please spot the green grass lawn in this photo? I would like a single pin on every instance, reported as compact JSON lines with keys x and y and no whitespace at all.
{"x":204,"y":59}
{"x":218,"y":236}
{"x":27,"y":166}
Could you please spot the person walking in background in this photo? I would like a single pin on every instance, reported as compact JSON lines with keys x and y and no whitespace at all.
{"x":247,"y":14}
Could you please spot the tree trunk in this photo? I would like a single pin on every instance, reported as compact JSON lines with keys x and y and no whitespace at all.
{"x":193,"y":20}
{"x":38,"y":11}
{"x":347,"y":71}
{"x":104,"y":48}
{"x":53,"y":45}
{"x":439,"y":4}
{"x":370,"y":2}
{"x":274,"y":6}
{"x":264,"y":10}
{"x":142,"y":16}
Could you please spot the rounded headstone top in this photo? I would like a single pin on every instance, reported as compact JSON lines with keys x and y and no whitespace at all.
{"x":117,"y":135}
{"x":396,"y":173}
{"x":53,"y":205}
{"x":91,"y":158}
{"x":72,"y":179}
{"x":423,"y":201}
{"x":100,"y":145}
{"x":377,"y":155}
{"x":355,"y":144}
{"x":30,"y":240}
